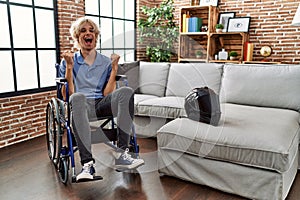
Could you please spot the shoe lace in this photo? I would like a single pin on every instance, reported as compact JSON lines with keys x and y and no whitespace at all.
{"x":86,"y":167}
{"x":127,"y":156}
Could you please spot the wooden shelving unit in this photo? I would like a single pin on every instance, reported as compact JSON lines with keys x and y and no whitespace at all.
{"x":228,"y":41}
{"x":209,"y":42}
{"x":190,"y":42}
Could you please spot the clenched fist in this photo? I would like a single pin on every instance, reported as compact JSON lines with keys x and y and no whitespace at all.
{"x":114,"y":61}
{"x":68,"y":56}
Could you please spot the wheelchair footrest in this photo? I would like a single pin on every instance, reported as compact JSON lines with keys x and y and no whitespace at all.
{"x":134,"y":171}
{"x":96,"y":178}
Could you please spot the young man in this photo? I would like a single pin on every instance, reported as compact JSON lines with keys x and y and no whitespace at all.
{"x":91,"y":78}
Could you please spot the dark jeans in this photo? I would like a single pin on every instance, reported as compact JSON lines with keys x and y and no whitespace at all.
{"x":119,"y":103}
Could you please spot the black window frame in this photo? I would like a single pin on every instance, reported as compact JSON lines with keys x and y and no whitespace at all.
{"x":12,"y":49}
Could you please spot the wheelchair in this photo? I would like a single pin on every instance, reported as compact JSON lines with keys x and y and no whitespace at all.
{"x":59,"y":136}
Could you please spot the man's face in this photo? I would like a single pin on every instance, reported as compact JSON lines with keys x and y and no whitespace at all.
{"x":87,"y":38}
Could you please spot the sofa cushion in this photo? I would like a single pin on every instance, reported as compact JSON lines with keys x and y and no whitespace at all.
{"x":183,"y":77}
{"x":247,"y":135}
{"x":131,"y":70}
{"x":153,"y":78}
{"x":271,"y":86}
{"x":141,"y":97}
{"x":164,"y":107}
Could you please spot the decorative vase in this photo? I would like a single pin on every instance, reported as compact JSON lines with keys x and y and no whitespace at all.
{"x":223,"y":55}
{"x":218,"y":30}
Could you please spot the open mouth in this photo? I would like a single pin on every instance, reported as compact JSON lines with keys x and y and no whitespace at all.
{"x":88,"y":40}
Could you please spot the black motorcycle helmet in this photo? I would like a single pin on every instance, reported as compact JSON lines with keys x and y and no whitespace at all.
{"x":202,"y":105}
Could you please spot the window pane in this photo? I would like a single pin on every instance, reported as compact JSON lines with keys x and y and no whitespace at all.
{"x":129,"y":34}
{"x":26,"y":70}
{"x":44,"y":3}
{"x":4,"y":39}
{"x":22,"y":1}
{"x":6,"y":72}
{"x":118,"y":9}
{"x":130,"y":9}
{"x":47,"y":61}
{"x":91,"y":7}
{"x":45,"y":21}
{"x":119,"y":39}
{"x":107,"y":52}
{"x":22,"y":26}
{"x":129,"y":55}
{"x":121,"y":53}
{"x":105,"y":8}
{"x":106,"y":33}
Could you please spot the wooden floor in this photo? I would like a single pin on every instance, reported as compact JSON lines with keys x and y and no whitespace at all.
{"x":27,"y":173}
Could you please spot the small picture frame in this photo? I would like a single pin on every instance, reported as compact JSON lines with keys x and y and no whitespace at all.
{"x":239,"y":24}
{"x":224,"y":18}
{"x":209,"y":2}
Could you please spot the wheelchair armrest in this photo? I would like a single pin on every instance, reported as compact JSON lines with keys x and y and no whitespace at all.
{"x":121,"y":77}
{"x":61,"y":80}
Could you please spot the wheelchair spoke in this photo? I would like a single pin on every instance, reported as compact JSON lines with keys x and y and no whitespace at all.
{"x":53,"y":133}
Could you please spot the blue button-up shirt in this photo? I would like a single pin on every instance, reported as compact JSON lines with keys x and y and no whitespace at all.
{"x":89,"y":80}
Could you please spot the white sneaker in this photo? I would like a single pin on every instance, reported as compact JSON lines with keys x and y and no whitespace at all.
{"x":88,"y":171}
{"x":125,"y":161}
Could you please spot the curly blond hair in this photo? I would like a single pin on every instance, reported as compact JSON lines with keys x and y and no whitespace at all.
{"x":76,"y":26}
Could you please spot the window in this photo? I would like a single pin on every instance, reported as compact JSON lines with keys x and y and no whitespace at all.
{"x":28,"y":46}
{"x":117,"y":21}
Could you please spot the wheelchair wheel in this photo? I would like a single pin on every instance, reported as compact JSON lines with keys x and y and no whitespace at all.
{"x":53,"y":132}
{"x":63,"y":169}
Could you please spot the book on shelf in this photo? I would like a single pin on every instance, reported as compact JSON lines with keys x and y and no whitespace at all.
{"x":194,"y":24}
{"x":183,"y":23}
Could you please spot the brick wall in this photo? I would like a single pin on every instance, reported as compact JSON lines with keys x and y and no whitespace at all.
{"x":23,"y":117}
{"x":270,"y":25}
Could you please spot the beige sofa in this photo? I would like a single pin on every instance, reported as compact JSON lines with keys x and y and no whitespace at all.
{"x":254,"y":150}
{"x":162,"y":89}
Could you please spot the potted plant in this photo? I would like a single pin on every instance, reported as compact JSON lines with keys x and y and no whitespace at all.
{"x":199,"y":54}
{"x":233,"y":55}
{"x":158,"y":31}
{"x":219,"y":28}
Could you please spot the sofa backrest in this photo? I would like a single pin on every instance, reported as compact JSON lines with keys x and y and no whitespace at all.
{"x":183,"y":77}
{"x":153,"y":78}
{"x":131,"y":70}
{"x":262,"y":85}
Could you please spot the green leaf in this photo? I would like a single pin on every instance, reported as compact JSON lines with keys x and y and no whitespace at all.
{"x":160,"y":30}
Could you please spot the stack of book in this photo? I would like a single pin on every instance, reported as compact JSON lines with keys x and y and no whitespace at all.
{"x":191,"y":24}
